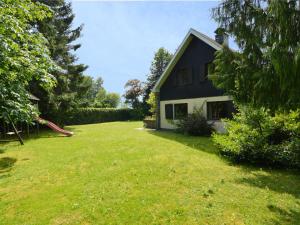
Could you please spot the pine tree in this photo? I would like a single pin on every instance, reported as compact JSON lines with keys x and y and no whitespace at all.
{"x":71,"y":86}
{"x":161,"y":59}
{"x":266,"y":70}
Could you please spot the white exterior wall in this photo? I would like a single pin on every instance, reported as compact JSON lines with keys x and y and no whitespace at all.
{"x":192,"y":104}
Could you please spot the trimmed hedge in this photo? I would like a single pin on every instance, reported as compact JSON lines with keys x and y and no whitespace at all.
{"x":100,"y":115}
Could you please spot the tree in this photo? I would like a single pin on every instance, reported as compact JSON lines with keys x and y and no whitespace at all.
{"x":23,"y":56}
{"x":70,"y":91}
{"x":133,"y":92}
{"x":100,"y":98}
{"x":266,"y":70}
{"x":97,"y":85}
{"x":152,"y":103}
{"x":106,"y":100}
{"x":161,"y":59}
{"x":88,"y":98}
{"x":112,"y":100}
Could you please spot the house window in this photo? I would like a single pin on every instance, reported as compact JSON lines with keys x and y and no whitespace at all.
{"x":181,"y":111}
{"x":207,"y":67}
{"x":219,"y":110}
{"x":169,"y":111}
{"x":176,"y":111}
{"x":184,"y":76}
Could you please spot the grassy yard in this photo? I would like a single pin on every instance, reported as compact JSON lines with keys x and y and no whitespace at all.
{"x":113,"y":173}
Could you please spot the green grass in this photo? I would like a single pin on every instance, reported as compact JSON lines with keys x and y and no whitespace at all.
{"x":113,"y":173}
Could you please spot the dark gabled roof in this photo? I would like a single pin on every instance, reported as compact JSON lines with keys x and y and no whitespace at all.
{"x":182,"y":47}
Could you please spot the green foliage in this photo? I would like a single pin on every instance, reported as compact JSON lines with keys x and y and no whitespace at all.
{"x":152,"y":103}
{"x":87,"y":98}
{"x":257,"y":137}
{"x":113,"y":173}
{"x":100,"y":97}
{"x":106,"y":100}
{"x":72,"y":88}
{"x":96,"y":86}
{"x":265,"y":72}
{"x":100,"y":115}
{"x":23,"y":56}
{"x":160,"y":61}
{"x":194,"y":124}
{"x":112,"y":100}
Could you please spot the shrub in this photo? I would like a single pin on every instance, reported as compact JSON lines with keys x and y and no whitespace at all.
{"x":99,"y":115}
{"x":254,"y":136}
{"x":151,"y":101}
{"x":194,"y":124}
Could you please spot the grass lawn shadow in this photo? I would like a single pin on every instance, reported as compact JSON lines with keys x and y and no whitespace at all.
{"x":6,"y":163}
{"x":47,"y":133}
{"x":280,"y":181}
{"x":289,"y":216}
{"x":199,"y":143}
{"x":276,"y":180}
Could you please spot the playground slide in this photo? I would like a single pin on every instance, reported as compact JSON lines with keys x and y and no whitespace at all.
{"x":54,"y":127}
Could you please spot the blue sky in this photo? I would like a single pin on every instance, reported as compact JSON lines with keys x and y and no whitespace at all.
{"x":119,"y":39}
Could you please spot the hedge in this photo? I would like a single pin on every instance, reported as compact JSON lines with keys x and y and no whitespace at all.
{"x":100,"y":115}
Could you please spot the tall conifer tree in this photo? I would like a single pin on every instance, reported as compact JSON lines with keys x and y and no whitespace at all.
{"x":266,"y":70}
{"x":70,"y":84}
{"x":160,"y":61}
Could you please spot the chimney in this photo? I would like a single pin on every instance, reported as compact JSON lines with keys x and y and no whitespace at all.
{"x":221,"y":37}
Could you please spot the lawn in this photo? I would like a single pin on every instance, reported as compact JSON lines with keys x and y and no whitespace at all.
{"x":113,"y":173}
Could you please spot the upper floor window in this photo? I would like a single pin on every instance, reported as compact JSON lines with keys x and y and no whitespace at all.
{"x":184,"y":76}
{"x":207,"y":67}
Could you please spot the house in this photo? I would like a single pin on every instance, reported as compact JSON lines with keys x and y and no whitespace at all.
{"x":184,"y":85}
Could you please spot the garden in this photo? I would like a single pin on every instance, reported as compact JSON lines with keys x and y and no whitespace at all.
{"x":101,"y":166}
{"x":114,"y":173}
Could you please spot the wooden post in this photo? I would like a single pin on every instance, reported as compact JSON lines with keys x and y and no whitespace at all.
{"x":15,"y":130}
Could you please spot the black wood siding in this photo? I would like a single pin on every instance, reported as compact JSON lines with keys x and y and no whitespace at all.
{"x":197,"y":54}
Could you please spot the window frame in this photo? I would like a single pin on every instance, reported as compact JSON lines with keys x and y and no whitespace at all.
{"x":206,"y":70}
{"x":174,"y":114}
{"x":166,"y":111}
{"x":179,"y":77}
{"x":228,"y":112}
{"x":178,"y":117}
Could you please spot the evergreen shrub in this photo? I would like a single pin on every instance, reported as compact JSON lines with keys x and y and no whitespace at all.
{"x":255,"y":136}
